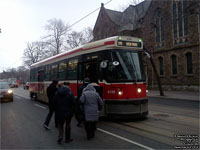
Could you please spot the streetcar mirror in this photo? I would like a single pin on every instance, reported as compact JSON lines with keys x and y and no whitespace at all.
{"x":103,"y":64}
{"x":115,"y":63}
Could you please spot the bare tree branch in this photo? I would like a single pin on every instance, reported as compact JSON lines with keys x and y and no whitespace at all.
{"x":57,"y":31}
{"x":76,"y":39}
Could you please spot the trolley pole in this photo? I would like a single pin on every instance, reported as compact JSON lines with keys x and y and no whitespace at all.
{"x":155,"y":71}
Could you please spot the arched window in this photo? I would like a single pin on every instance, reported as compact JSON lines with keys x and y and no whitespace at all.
{"x":189,"y":63}
{"x":174,"y":19}
{"x":174,"y":64}
{"x":160,"y":30}
{"x":185,"y":17}
{"x":180,"y":20}
{"x":161,"y":67}
{"x":199,"y":20}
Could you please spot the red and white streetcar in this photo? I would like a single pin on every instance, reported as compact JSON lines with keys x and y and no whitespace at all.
{"x":115,"y":63}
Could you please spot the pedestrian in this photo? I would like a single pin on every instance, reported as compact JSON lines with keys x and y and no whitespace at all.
{"x":67,"y":84}
{"x":92,"y":102}
{"x":97,"y":87}
{"x":64,"y":102}
{"x":51,"y":91}
{"x":79,"y":114}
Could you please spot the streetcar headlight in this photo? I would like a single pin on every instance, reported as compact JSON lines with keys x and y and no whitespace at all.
{"x":139,"y":90}
{"x":120,"y":92}
{"x":10,"y":91}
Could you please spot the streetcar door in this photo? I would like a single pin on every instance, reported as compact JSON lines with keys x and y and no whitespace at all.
{"x":87,"y":70}
{"x":79,"y":75}
{"x":90,"y":70}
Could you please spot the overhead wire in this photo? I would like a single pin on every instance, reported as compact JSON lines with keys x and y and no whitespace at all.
{"x":88,"y":14}
{"x":75,"y":22}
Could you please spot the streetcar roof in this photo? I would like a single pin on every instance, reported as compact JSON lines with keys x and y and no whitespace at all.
{"x":95,"y":46}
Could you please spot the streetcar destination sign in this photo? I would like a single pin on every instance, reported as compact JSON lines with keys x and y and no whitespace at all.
{"x":129,"y":43}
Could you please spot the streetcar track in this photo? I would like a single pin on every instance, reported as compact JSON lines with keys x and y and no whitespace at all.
{"x":163,"y":120}
{"x":178,"y":114}
{"x":147,"y":134}
{"x":143,"y":130}
{"x":182,"y":113}
{"x":125,"y":139}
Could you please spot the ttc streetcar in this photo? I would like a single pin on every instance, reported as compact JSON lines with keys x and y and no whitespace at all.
{"x":114,"y":63}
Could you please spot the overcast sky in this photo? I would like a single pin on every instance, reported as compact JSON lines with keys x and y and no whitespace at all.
{"x":23,"y":21}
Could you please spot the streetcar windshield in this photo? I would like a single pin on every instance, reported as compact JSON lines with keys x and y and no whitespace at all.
{"x":125,"y":66}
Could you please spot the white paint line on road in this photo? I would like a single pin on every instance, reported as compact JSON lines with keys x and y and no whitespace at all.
{"x":21,"y":96}
{"x":125,"y":139}
{"x":18,"y":97}
{"x":40,"y":106}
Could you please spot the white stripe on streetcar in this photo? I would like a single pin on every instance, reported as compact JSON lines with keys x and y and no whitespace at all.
{"x":40,"y":106}
{"x":125,"y":139}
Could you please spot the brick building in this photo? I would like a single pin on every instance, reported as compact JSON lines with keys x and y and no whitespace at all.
{"x":170,"y":30}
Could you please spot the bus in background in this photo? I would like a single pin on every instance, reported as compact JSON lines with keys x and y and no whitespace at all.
{"x":114,"y":63}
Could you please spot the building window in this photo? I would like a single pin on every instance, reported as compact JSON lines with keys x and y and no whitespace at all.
{"x":157,"y":31}
{"x":185,"y":17}
{"x":180,"y":21}
{"x":174,"y":20}
{"x":189,"y":67}
{"x":160,"y":32}
{"x":161,"y":67}
{"x":174,"y":64}
{"x":199,"y":20}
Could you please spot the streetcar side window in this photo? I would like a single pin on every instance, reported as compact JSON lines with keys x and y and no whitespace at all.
{"x":40,"y":75}
{"x":54,"y":71}
{"x":62,"y":70}
{"x":72,"y":68}
{"x":33,"y":75}
{"x":47,"y":73}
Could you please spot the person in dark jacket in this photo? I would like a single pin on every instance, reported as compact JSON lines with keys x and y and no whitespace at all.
{"x":64,"y":102}
{"x":92,"y":102}
{"x":79,"y":107}
{"x":51,"y":91}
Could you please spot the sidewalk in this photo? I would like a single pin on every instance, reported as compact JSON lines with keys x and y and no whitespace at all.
{"x":187,"y":95}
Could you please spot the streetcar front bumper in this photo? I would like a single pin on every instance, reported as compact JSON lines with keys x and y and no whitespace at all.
{"x":126,"y":108}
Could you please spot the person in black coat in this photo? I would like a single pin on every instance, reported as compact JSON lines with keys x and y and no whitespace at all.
{"x":64,"y":102}
{"x":51,"y":91}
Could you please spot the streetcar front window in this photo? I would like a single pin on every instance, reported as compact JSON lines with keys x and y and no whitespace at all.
{"x":125,"y":66}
